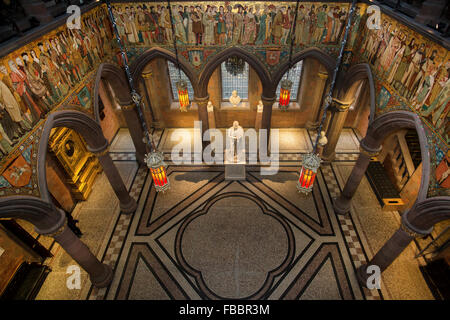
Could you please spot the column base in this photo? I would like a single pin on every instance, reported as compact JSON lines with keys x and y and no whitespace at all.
{"x":129,"y":207}
{"x":362,"y":276}
{"x":105,"y":279}
{"x":340,"y":207}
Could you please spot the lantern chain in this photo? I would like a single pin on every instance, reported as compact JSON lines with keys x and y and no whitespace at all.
{"x":174,"y":39}
{"x":328,"y":99}
{"x":135,"y":96}
{"x":292,"y":38}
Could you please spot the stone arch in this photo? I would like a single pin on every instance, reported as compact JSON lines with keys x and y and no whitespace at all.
{"x":139,"y":64}
{"x":42,"y":214}
{"x":390,"y":122}
{"x":379,"y":129}
{"x":89,"y":129}
{"x":354,"y":74}
{"x":116,"y":78}
{"x":328,"y":62}
{"x":209,"y":68}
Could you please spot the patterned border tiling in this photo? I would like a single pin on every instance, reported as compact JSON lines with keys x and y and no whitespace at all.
{"x":346,"y":156}
{"x":349,"y":231}
{"x":123,"y":156}
{"x":117,"y":239}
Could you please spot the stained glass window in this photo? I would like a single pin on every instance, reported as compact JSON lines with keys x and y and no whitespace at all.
{"x":174,"y":77}
{"x":231,"y":82}
{"x":294,"y":76}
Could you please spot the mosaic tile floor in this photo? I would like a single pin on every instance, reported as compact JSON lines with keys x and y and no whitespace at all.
{"x":208,"y":238}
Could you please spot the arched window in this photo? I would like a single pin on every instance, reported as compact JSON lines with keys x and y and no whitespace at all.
{"x":232,"y":82}
{"x":294,"y":75}
{"x":174,"y":76}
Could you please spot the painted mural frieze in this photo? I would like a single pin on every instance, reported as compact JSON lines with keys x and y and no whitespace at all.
{"x":205,"y":28}
{"x":411,"y":73}
{"x":50,"y":73}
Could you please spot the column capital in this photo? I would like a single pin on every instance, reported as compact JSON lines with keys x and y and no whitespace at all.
{"x":147,"y":74}
{"x":412,"y":231}
{"x":368,"y":151}
{"x":323,"y":75}
{"x":128,"y":107}
{"x":202,"y":100}
{"x":101,"y":153}
{"x":59,"y":231}
{"x":268,"y":99}
{"x":340,"y":105}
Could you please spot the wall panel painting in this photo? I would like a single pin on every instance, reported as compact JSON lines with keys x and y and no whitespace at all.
{"x":38,"y":78}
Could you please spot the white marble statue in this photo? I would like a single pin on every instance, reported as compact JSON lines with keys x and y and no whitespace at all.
{"x":235,"y":145}
{"x":234,"y":98}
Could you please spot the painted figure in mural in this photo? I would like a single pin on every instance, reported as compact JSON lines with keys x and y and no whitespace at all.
{"x":355,"y":27}
{"x":287,"y":24}
{"x":425,"y":79}
{"x":249,"y":34}
{"x":120,"y":24}
{"x":262,"y":19}
{"x":197,"y":25}
{"x":321,"y":31}
{"x":229,"y":20}
{"x":413,"y":69}
{"x":130,"y":26}
{"x":238,"y":23}
{"x":180,"y":32}
{"x":56,"y":85}
{"x":152,"y":18}
{"x":221,"y":26}
{"x":393,"y":67}
{"x":389,"y":55}
{"x":331,"y":24}
{"x":300,"y":26}
{"x":5,"y":143}
{"x":143,"y":25}
{"x":21,"y":85}
{"x":9,"y":104}
{"x":38,"y":89}
{"x":6,"y":79}
{"x":277,"y":27}
{"x":208,"y":22}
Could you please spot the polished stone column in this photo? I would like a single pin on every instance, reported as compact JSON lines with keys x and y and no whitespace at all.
{"x":100,"y":274}
{"x":147,"y":75}
{"x":267,"y":114}
{"x":316,"y":97}
{"x":391,"y":250}
{"x":202,"y":104}
{"x":127,"y":203}
{"x":130,"y":114}
{"x":211,"y":116}
{"x":342,"y":204}
{"x":337,"y":120}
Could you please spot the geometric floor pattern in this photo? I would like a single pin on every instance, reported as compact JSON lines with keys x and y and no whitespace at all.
{"x":189,"y":246}
{"x":209,"y":238}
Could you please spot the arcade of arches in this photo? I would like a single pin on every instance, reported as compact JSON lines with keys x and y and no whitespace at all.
{"x":80,"y":193}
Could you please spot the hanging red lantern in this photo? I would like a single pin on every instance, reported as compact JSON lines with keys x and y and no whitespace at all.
{"x":310,"y":165}
{"x":183,"y":95}
{"x":157,"y":166}
{"x":285,"y":94}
